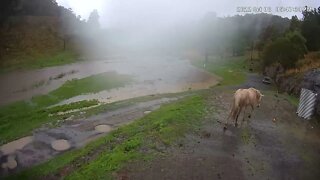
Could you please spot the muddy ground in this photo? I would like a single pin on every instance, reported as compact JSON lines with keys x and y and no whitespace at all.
{"x":275,"y":144}
{"x":47,"y":142}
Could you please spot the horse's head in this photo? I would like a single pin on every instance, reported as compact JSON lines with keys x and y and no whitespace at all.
{"x":259,"y":96}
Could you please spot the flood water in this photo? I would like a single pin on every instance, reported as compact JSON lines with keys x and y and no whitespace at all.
{"x":152,"y":75}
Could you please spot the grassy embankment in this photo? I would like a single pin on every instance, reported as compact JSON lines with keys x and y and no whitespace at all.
{"x":231,"y":69}
{"x":19,"y":118}
{"x":100,"y":158}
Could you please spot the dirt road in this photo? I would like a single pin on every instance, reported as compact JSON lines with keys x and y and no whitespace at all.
{"x":284,"y":148}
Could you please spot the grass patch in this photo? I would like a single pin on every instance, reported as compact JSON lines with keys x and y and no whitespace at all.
{"x":292,"y":99}
{"x":232,"y":69}
{"x":61,"y":58}
{"x":245,"y":135}
{"x":163,"y":126}
{"x":18,"y":119}
{"x":91,"y":84}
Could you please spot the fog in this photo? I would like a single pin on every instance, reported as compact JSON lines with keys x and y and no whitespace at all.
{"x":164,"y":24}
{"x":122,"y":13}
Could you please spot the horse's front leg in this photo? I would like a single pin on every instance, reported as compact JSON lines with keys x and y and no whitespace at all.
{"x":251,"y":111}
{"x":249,"y":117}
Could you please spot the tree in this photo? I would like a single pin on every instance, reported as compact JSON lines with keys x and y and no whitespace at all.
{"x":295,"y":24}
{"x":267,"y":35}
{"x":93,"y":20}
{"x":285,"y":50}
{"x":310,"y":29}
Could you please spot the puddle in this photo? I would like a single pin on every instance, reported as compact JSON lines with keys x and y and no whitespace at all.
{"x":147,"y":112}
{"x":103,"y":128}
{"x":15,"y":145}
{"x":10,"y":164}
{"x":60,"y":145}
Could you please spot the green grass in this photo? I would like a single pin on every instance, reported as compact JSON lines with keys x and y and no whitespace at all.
{"x":246,"y":136}
{"x":91,"y":84}
{"x":20,"y":118}
{"x":292,"y":99}
{"x":231,"y":69}
{"x":61,"y":58}
{"x":163,"y":126}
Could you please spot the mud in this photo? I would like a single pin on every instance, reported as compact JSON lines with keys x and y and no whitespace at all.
{"x":47,"y":143}
{"x":261,"y":149}
{"x":152,"y":75}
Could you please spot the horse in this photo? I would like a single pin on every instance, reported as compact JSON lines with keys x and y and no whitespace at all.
{"x":242,"y":99}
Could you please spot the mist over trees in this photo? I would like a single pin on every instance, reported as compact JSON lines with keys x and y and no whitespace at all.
{"x":93,"y":20}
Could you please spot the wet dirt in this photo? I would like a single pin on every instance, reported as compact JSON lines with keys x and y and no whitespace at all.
{"x":261,"y":149}
{"x":152,"y":75}
{"x":49,"y":142}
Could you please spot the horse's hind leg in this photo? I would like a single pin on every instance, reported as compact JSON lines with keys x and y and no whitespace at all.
{"x":238,"y":113}
{"x":244,"y":115}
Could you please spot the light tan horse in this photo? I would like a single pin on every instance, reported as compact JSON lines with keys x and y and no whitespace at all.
{"x":242,"y":99}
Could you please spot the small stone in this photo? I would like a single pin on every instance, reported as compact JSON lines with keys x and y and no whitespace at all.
{"x":147,"y":112}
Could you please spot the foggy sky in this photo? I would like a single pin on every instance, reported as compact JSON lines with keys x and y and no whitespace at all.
{"x":127,"y":13}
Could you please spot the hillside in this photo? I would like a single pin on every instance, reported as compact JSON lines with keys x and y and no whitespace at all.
{"x":34,"y":34}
